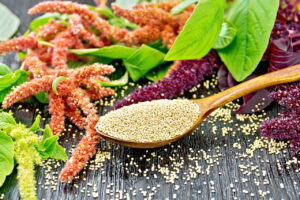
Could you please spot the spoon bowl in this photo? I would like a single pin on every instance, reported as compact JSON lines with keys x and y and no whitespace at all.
{"x":209,"y":104}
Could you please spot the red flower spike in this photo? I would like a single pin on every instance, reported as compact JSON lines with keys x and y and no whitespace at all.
{"x":35,"y":66}
{"x":75,"y":116}
{"x":62,"y":43}
{"x":92,"y":71}
{"x":142,"y":16}
{"x":80,"y":156}
{"x":57,"y":111}
{"x":145,"y":34}
{"x":49,"y":31}
{"x":44,"y":54}
{"x":18,"y":44}
{"x":68,"y":7}
{"x":166,"y":6}
{"x":27,"y":90}
{"x":79,"y":30}
{"x":95,"y":91}
{"x":168,"y":36}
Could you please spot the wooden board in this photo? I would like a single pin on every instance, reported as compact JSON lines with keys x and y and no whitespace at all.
{"x":137,"y":174}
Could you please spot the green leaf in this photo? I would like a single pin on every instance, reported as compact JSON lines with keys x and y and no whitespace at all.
{"x":4,"y":69}
{"x":115,"y":83}
{"x":122,"y":23}
{"x":112,"y":18}
{"x":159,"y":73}
{"x":142,"y":61}
{"x":159,"y":46}
{"x":114,"y":52}
{"x":183,"y":5}
{"x":47,"y":132}
{"x":254,"y":20}
{"x":9,"y":81}
{"x":6,"y":120}
{"x":49,"y":147}
{"x":200,"y":31}
{"x":59,"y":153}
{"x":56,"y":82}
{"x":106,"y":12}
{"x":128,"y":4}
{"x":138,"y":62}
{"x":9,"y":23}
{"x":42,"y":97}
{"x":226,"y":35}
{"x":6,"y":156}
{"x":36,"y":124}
{"x":42,"y":20}
{"x":21,"y":55}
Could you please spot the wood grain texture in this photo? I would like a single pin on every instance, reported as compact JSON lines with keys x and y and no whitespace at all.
{"x":278,"y":181}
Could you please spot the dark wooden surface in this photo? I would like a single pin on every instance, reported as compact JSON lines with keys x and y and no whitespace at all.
{"x":272,"y":179}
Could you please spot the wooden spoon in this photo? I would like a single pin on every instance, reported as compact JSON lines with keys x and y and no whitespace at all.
{"x":209,"y":104}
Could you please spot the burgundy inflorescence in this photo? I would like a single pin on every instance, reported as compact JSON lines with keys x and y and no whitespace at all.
{"x":287,"y":20}
{"x":287,"y":125}
{"x":188,"y":74}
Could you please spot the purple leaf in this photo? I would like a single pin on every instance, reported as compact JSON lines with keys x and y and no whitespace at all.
{"x":255,"y":102}
{"x":282,"y":55}
{"x":222,"y":77}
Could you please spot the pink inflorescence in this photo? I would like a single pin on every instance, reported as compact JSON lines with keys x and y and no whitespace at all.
{"x":287,"y":125}
{"x":187,"y":74}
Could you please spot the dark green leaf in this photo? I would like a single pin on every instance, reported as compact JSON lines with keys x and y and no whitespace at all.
{"x":138,"y":62}
{"x":142,"y":61}
{"x":42,"y":97}
{"x":56,"y":82}
{"x":36,"y":124}
{"x":4,"y":69}
{"x":9,"y":23}
{"x":254,"y":20}
{"x":6,"y":156}
{"x":115,"y":83}
{"x":10,"y":81}
{"x":3,"y":94}
{"x":200,"y":31}
{"x":74,"y":64}
{"x":159,"y":46}
{"x":49,"y":147}
{"x":42,"y":20}
{"x":113,"y":52}
{"x":159,"y":73}
{"x":183,"y":5}
{"x":226,"y":35}
{"x":6,"y":120}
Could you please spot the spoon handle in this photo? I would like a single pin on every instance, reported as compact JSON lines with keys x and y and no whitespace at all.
{"x":286,"y":75}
